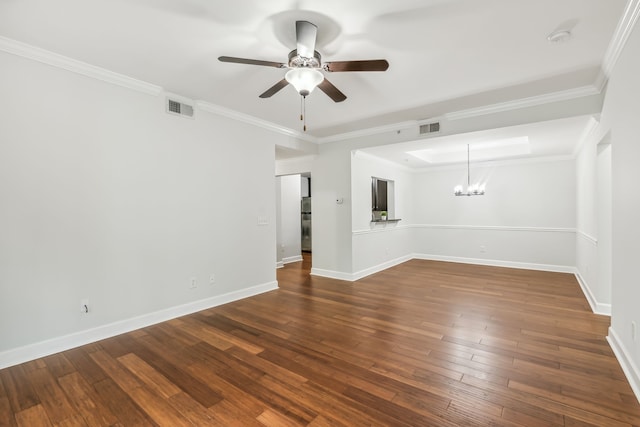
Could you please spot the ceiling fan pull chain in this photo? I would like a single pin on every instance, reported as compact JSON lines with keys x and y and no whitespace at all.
{"x":304,"y":113}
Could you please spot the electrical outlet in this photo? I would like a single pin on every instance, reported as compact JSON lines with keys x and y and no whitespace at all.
{"x":84,"y":306}
{"x":633,"y":330}
{"x":193,"y":284}
{"x":212,"y":279}
{"x":483,"y":249}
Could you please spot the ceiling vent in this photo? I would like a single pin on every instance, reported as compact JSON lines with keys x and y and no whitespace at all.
{"x":430,"y":128}
{"x":179,"y":108}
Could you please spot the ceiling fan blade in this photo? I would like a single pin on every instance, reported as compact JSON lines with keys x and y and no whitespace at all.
{"x":333,"y":92}
{"x":274,"y":89}
{"x":306,"y":38}
{"x":367,"y":65}
{"x":251,"y":61}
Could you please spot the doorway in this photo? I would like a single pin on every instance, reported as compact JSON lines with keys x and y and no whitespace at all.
{"x":293,"y":219}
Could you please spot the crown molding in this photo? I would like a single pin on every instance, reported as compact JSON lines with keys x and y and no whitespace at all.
{"x":367,"y":132}
{"x":495,"y":163}
{"x":620,"y":37}
{"x":246,"y":118}
{"x":601,"y":80}
{"x":623,"y":30}
{"x":531,"y":101}
{"x":27,"y":51}
{"x":24,"y":50}
{"x":564,"y":95}
{"x":587,"y":132}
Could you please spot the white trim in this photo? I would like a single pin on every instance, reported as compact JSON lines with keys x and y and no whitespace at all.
{"x":350,"y":277}
{"x":331,"y":274}
{"x":588,"y":130}
{"x":380,"y":227}
{"x":246,"y":118}
{"x":498,"y":263}
{"x":626,"y":361}
{"x":601,"y":80}
{"x":46,"y":57}
{"x":55,"y":345}
{"x":279,"y":264}
{"x":380,"y":267}
{"x":393,"y":127}
{"x":620,"y":37}
{"x":587,"y":237}
{"x":596,"y":307}
{"x":60,"y":61}
{"x":494,"y":163}
{"x":531,"y":101}
{"x":495,"y":228}
{"x":290,"y":259}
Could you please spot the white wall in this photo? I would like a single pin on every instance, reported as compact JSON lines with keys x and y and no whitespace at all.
{"x":331,"y":226}
{"x":279,"y":263}
{"x":295,"y":165}
{"x":289,"y":246}
{"x":336,"y":244}
{"x":106,"y":197}
{"x":620,"y":118}
{"x":604,"y":221}
{"x":526,"y":218}
{"x":587,"y":227}
{"x":377,"y":245}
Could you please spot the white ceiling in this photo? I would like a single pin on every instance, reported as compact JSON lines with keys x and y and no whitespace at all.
{"x":438,"y":50}
{"x":555,"y":138}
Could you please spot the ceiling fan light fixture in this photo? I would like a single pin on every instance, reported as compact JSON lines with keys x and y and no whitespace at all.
{"x":304,"y":80}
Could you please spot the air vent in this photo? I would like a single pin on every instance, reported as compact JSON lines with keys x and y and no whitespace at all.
{"x":180,"y":108}
{"x":430,"y":128}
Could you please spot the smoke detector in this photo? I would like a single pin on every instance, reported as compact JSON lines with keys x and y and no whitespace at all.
{"x":559,"y":36}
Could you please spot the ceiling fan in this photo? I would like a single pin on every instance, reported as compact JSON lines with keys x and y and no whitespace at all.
{"x":305,"y":63}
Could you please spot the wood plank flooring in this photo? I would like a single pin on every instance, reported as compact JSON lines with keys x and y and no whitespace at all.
{"x":421,"y":344}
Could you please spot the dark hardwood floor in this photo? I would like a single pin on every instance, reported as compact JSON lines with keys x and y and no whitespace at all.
{"x":421,"y":344}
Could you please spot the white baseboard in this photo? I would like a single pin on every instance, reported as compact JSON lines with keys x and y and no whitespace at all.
{"x":279,"y":264}
{"x":377,"y":268}
{"x":352,"y":277}
{"x":596,"y":307}
{"x":626,"y":362}
{"x":291,"y":259}
{"x":331,"y":274}
{"x":55,"y":345}
{"x":495,"y":263}
{"x":498,"y":263}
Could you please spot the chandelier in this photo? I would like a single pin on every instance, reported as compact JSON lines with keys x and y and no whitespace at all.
{"x":476,"y":189}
